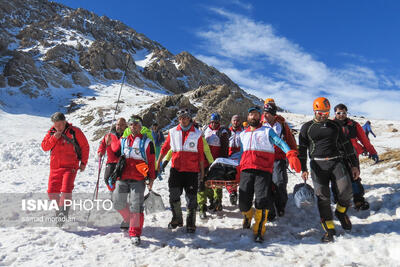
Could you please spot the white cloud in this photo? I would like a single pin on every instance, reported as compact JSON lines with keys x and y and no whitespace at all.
{"x":239,"y":45}
{"x":240,"y":4}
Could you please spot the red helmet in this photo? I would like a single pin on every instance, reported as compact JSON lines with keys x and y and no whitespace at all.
{"x":322,"y":104}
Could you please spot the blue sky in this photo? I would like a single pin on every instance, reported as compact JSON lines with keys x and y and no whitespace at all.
{"x":293,"y":51}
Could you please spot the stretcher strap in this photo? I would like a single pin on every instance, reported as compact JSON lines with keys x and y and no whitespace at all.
{"x":221,"y":184}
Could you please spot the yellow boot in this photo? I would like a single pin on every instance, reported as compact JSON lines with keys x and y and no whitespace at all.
{"x":330,"y":231}
{"x":260,"y":218}
{"x":248,"y":216}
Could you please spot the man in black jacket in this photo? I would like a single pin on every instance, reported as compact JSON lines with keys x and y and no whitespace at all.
{"x":325,"y":141}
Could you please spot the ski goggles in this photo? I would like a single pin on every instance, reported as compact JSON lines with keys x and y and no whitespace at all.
{"x":322,"y":112}
{"x":183,"y":113}
{"x":341,"y":113}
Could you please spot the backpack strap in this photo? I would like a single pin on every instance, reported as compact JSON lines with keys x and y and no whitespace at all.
{"x":141,"y":147}
{"x":123,"y":142}
{"x":74,"y":142}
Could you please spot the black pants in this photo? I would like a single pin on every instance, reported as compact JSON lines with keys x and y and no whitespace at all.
{"x":258,"y":183}
{"x":323,"y":172}
{"x":109,"y":170}
{"x":280,"y":180}
{"x":179,"y":181}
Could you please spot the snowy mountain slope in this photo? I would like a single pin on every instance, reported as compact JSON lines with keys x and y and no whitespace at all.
{"x":50,"y":52}
{"x":293,"y":239}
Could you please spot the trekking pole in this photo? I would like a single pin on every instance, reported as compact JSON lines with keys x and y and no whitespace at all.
{"x":96,"y":190}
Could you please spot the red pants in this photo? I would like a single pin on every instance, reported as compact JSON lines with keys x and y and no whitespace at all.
{"x":135,"y":221}
{"x":61,"y":181}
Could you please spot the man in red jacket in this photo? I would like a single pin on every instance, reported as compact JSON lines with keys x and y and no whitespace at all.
{"x":360,"y":142}
{"x":105,"y":146}
{"x":256,"y":165}
{"x":279,"y":175}
{"x":138,"y":151}
{"x":186,"y":144}
{"x":69,"y":152}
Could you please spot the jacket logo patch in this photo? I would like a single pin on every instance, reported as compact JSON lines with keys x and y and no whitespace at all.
{"x":191,"y":144}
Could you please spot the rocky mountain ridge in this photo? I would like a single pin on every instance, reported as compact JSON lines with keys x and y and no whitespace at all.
{"x":46,"y":44}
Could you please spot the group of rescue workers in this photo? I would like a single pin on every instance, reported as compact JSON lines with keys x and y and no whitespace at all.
{"x":264,"y":145}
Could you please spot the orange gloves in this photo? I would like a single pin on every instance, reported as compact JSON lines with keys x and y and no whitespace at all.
{"x":294,"y":161}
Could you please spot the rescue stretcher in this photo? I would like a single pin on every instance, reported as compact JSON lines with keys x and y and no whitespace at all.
{"x":223,"y":172}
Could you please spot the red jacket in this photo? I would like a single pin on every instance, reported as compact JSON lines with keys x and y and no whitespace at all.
{"x":234,"y":141}
{"x":218,"y":141}
{"x":134,"y":157}
{"x":186,"y":155}
{"x":356,"y":134}
{"x":63,"y":153}
{"x":258,"y":152}
{"x":287,"y":136}
{"x":103,"y":148}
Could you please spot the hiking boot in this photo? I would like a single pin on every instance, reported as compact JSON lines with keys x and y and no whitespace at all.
{"x":258,"y":239}
{"x":361,"y":205}
{"x":247,"y":217}
{"x":218,"y":205}
{"x":328,"y":236}
{"x":124,"y":226}
{"x":135,"y":240}
{"x":175,"y":223}
{"x":344,"y":220}
{"x":233,"y":198}
{"x":191,"y":221}
{"x":177,"y":220}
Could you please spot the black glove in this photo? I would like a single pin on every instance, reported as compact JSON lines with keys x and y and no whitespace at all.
{"x":375,"y":158}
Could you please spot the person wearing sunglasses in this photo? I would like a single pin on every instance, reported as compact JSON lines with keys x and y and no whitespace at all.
{"x":279,"y":175}
{"x":360,"y":142}
{"x":256,"y":165}
{"x":186,"y":143}
{"x":329,"y":150}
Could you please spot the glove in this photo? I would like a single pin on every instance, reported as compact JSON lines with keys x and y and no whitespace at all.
{"x":294,"y":161}
{"x":375,"y":158}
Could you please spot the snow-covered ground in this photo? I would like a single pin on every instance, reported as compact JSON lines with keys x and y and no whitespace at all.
{"x":219,"y":241}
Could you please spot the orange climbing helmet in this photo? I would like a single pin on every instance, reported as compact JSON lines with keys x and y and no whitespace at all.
{"x":269,"y":100}
{"x":322,"y":104}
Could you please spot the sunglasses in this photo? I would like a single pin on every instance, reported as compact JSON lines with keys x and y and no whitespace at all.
{"x":321,"y":113}
{"x":183,"y":112}
{"x":341,"y":113}
{"x":134,"y":121}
